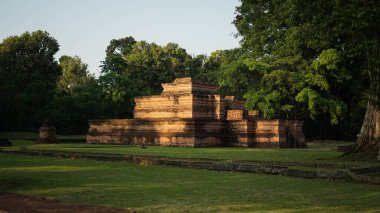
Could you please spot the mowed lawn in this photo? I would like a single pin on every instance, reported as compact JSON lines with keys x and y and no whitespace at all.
{"x":318,"y":152}
{"x":169,"y":189}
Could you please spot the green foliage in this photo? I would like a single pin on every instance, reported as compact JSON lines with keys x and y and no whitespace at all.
{"x":331,"y":45}
{"x":134,"y":68}
{"x":74,"y":73}
{"x":280,"y":93}
{"x":241,"y":75}
{"x":271,"y":85}
{"x":329,"y":63}
{"x":317,"y":103}
{"x":212,"y":64}
{"x":148,"y":64}
{"x":70,"y":112}
{"x":28,"y":75}
{"x":109,"y":96}
{"x":118,"y":92}
{"x":274,"y":96}
{"x":33,"y":85}
{"x":78,"y":97}
{"x":115,"y":52}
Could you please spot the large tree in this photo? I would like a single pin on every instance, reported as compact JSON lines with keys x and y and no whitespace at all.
{"x":28,"y":77}
{"x":284,"y":30}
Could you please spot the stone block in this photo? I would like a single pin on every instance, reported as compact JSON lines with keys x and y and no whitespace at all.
{"x":253,"y":114}
{"x":234,"y":115}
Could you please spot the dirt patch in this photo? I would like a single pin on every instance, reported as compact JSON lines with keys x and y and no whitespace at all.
{"x":11,"y":202}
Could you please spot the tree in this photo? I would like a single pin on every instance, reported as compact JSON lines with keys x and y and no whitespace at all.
{"x":74,"y":73}
{"x":81,"y":97}
{"x":118,"y":92}
{"x":28,"y":77}
{"x":180,"y":61}
{"x":194,"y":66}
{"x":284,"y":30}
{"x":115,"y":55}
{"x":323,"y":74}
{"x":274,"y":97}
{"x":74,"y":102}
{"x":71,"y":112}
{"x":239,"y":76}
{"x":148,"y":64}
{"x":210,"y":71}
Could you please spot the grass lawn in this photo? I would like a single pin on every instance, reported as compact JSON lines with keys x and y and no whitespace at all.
{"x":317,"y":151}
{"x":168,"y":189}
{"x":320,"y":152}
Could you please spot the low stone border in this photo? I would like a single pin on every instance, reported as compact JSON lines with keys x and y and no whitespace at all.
{"x":358,"y":174}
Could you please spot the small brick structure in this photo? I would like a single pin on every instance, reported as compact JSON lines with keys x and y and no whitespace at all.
{"x":47,"y":133}
{"x":191,"y":113}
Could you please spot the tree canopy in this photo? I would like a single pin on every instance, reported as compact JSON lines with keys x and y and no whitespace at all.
{"x":74,"y":73}
{"x":337,"y":44}
{"x":28,"y":78}
{"x":148,"y":64}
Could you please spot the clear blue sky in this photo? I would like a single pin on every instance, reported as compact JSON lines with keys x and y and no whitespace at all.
{"x":85,"y":27}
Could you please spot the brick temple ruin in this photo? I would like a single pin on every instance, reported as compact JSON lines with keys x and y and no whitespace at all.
{"x":191,"y":113}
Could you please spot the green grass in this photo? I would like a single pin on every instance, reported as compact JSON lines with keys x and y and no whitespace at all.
{"x":189,"y":152}
{"x":317,"y":153}
{"x":167,"y":189}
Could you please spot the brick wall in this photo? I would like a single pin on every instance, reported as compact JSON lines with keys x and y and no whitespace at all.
{"x":189,"y":113}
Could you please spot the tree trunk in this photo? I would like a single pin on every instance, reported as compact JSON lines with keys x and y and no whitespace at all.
{"x":369,"y":139}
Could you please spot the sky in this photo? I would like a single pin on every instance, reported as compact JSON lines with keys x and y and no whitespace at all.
{"x":85,"y":27}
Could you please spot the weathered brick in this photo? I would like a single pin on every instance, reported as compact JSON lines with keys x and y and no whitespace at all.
{"x":190,"y":113}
